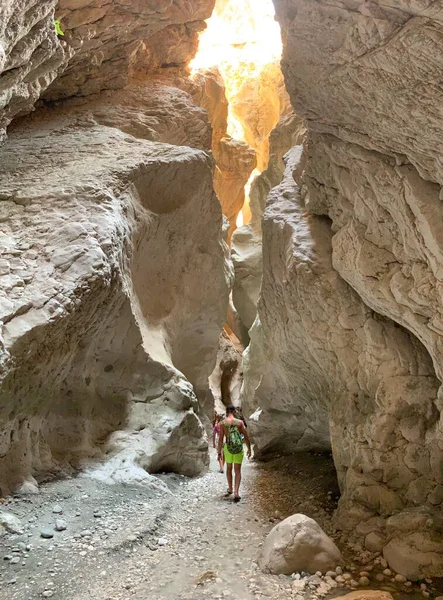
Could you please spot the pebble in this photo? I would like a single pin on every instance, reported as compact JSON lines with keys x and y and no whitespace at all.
{"x":162,"y":541}
{"x":363,"y":581}
{"x":86,"y":533}
{"x":46,"y":533}
{"x":387,"y":572}
{"x":47,"y":593}
{"x":60,"y":525}
{"x":57,"y":509}
{"x":400,"y":578}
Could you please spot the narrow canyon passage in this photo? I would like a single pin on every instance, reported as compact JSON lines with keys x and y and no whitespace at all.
{"x":214,"y":202}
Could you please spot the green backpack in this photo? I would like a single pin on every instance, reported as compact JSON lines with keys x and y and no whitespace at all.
{"x":234,"y":441}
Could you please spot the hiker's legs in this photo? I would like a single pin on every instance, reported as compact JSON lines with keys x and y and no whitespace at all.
{"x":221,"y":463}
{"x":237,"y":471}
{"x":229,"y":475}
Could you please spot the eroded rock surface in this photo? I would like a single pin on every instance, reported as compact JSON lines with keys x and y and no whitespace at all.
{"x":96,"y":338}
{"x":30,"y":55}
{"x":246,"y":246}
{"x":348,"y":321}
{"x":109,"y":220}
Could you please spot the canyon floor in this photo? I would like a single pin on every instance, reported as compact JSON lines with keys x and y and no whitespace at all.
{"x":133,"y":543}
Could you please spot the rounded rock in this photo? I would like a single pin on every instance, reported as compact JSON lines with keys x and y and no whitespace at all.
{"x":46,"y":533}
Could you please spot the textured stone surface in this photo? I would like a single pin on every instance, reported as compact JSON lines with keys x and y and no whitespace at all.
{"x":104,"y":45}
{"x":30,"y":55}
{"x":101,"y":315}
{"x":226,"y":379}
{"x":349,"y":318}
{"x":299,"y":544}
{"x":322,"y":365}
{"x":259,"y":105}
{"x":246,"y":246}
{"x":112,"y":40}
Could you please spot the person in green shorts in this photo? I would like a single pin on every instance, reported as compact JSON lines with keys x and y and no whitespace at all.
{"x":230,"y":440}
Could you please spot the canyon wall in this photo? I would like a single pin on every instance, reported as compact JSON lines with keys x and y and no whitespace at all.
{"x":346,"y":350}
{"x":114,"y":276}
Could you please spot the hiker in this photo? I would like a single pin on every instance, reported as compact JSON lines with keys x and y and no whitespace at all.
{"x":231,"y":430}
{"x":215,"y":439}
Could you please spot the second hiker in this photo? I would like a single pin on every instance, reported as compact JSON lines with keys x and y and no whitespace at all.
{"x":230,"y":441}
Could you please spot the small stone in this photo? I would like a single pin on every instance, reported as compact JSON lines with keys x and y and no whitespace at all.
{"x":86,"y":533}
{"x":12,"y":581}
{"x":387,"y":572}
{"x":46,"y":533}
{"x":162,"y":541}
{"x":15,"y":560}
{"x":363,"y":581}
{"x":339,"y":571}
{"x":57,"y":509}
{"x":11,"y":523}
{"x":400,"y":578}
{"x":60,"y":525}
{"x":47,"y":593}
{"x":380,"y":577}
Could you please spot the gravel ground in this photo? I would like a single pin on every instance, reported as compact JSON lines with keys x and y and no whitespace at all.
{"x":133,"y":543}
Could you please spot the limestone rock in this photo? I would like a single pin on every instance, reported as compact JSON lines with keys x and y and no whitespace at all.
{"x":112,"y":43}
{"x":299,"y":544}
{"x":347,"y":341}
{"x":247,"y":240}
{"x":117,"y":332}
{"x":226,"y":379}
{"x":30,"y":55}
{"x":10,"y":523}
{"x":259,"y":105}
{"x":305,"y":314}
{"x":368,"y":595}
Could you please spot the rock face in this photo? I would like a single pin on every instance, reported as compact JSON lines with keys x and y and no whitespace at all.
{"x":226,"y":379}
{"x":30,"y":55}
{"x":347,"y":344}
{"x":246,"y":246}
{"x":299,"y":544}
{"x":112,"y":40}
{"x":109,"y":222}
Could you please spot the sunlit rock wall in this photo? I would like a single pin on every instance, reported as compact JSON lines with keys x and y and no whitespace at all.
{"x":349,"y":334}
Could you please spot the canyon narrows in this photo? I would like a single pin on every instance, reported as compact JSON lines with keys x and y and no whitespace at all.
{"x":171,"y":195}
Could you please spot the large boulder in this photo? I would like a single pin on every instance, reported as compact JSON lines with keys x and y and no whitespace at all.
{"x":299,"y":544}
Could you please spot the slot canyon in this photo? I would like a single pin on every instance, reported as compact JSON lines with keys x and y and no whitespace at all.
{"x":207,"y":203}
